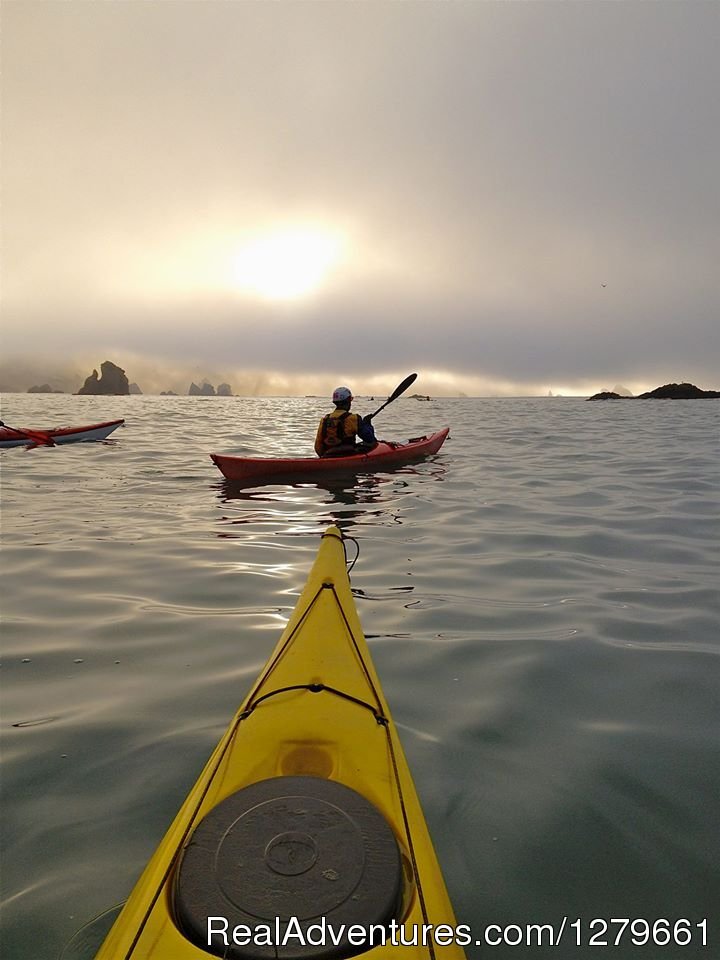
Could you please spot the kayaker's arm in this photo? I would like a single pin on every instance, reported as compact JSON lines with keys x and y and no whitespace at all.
{"x":319,"y":448}
{"x":366,"y":431}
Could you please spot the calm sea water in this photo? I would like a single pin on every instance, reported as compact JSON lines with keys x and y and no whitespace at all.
{"x":541,"y":600}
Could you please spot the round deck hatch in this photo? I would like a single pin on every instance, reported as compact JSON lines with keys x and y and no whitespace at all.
{"x":280,"y":863}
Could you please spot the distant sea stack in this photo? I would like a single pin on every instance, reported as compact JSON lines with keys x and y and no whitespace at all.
{"x":671,"y":391}
{"x":111,"y":382}
{"x":135,"y":390}
{"x":44,"y":388}
{"x":206,"y":390}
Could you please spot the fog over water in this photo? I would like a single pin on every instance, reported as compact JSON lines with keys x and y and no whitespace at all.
{"x":514,"y":198}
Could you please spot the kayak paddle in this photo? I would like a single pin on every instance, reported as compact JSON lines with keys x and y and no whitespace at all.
{"x":399,"y":389}
{"x":37,"y":436}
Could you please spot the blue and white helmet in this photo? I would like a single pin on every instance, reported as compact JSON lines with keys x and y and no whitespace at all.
{"x":342,"y":395}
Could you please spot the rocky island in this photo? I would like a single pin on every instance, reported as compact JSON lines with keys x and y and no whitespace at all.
{"x":44,"y":388}
{"x":208,"y":390}
{"x":670,"y":391}
{"x":111,"y":382}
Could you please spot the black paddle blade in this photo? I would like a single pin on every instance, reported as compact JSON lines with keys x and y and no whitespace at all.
{"x":400,"y":388}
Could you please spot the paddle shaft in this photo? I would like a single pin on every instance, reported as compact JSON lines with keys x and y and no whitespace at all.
{"x":399,"y":389}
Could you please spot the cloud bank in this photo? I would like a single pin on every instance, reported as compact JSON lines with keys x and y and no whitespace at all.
{"x":528,"y":192}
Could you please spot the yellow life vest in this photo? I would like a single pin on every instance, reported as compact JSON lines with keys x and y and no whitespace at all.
{"x":339,"y":428}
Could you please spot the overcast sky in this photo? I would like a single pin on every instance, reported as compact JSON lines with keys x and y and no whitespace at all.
{"x":509,"y":197}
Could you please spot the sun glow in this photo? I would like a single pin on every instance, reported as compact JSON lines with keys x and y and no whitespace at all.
{"x":286,"y":264}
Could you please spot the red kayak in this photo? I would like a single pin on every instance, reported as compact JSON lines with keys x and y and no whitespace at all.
{"x":17,"y":437}
{"x":385,"y":454}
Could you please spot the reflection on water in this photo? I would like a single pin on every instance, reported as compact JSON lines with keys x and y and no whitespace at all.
{"x":343,"y":500}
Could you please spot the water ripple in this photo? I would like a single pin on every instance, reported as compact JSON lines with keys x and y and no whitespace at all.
{"x":540,"y":600}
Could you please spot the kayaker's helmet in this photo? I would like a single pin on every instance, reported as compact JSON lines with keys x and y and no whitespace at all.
{"x":342,"y":395}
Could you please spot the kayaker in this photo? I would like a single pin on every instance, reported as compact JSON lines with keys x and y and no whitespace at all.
{"x":340,"y":430}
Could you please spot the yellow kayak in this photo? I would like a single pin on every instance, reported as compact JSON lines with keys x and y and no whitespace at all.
{"x":304,"y":837}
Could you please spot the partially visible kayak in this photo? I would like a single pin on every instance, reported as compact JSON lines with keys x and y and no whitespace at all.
{"x":303,"y":838}
{"x":385,"y":454}
{"x":16,"y":437}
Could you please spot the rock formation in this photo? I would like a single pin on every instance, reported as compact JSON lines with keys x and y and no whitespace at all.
{"x":679,"y":391}
{"x":112,"y":382}
{"x":608,"y":395}
{"x":168,"y":393}
{"x":224,"y":390}
{"x":671,"y":391}
{"x":206,"y":390}
{"x":135,"y":390}
{"x":43,"y":388}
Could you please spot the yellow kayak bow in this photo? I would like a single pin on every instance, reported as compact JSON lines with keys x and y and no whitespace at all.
{"x":303,"y":838}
